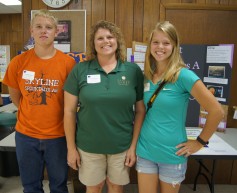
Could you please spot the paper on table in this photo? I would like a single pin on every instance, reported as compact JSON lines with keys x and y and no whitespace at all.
{"x":216,"y":146}
{"x":8,"y":108}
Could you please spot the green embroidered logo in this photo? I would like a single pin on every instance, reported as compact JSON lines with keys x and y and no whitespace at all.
{"x":123,"y":81}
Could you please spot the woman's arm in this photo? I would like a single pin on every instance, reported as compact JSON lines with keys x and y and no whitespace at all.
{"x":215,"y":114}
{"x":140,"y":112}
{"x":70,"y":109}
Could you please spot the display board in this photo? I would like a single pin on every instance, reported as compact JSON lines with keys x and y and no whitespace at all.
{"x":213,"y":64}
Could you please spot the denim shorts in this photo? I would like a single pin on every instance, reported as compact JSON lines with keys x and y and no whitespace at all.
{"x":169,"y":173}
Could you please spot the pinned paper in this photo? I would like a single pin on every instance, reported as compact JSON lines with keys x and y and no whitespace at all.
{"x":235,"y":114}
{"x":129,"y":53}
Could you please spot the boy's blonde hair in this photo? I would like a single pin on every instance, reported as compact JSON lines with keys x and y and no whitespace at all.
{"x":44,"y":13}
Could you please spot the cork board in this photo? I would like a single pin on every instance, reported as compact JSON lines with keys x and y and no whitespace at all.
{"x":78,"y":27}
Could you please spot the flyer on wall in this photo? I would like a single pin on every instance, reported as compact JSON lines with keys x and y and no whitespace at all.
{"x":62,"y":40}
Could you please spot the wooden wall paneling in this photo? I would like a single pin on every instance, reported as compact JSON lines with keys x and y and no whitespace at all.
{"x":221,"y":26}
{"x":17,"y":33}
{"x":62,"y":8}
{"x":188,"y":27}
{"x":233,"y":92}
{"x":2,"y":20}
{"x":188,"y":1}
{"x":200,"y":1}
{"x":87,"y":5}
{"x":2,"y":37}
{"x":138,"y":20}
{"x":151,"y":17}
{"x":15,"y":37}
{"x":212,"y":1}
{"x":77,"y":4}
{"x":41,"y":5}
{"x":98,"y":10}
{"x":2,"y":29}
{"x":222,"y":174}
{"x":162,"y":12}
{"x":11,"y":33}
{"x":224,"y":2}
{"x":223,"y":171}
{"x":234,"y":173}
{"x":35,"y":5}
{"x":26,"y":9}
{"x":171,"y":1}
{"x":6,"y":38}
{"x":14,"y":42}
{"x":124,"y":19}
{"x":110,"y":10}
{"x":16,"y":23}
{"x":203,"y":26}
{"x":6,"y":19}
{"x":232,"y":2}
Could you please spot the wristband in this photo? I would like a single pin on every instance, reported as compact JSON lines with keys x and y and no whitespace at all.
{"x":200,"y":140}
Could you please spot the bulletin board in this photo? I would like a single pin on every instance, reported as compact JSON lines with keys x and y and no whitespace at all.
{"x":78,"y":27}
{"x":213,"y":64}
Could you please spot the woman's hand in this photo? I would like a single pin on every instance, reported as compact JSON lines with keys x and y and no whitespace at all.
{"x":130,"y":158}
{"x":73,"y":159}
{"x":188,"y":148}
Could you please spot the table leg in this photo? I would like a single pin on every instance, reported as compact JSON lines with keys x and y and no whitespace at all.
{"x":210,"y":181}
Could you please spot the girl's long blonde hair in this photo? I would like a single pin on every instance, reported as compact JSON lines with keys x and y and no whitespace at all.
{"x":175,"y":60}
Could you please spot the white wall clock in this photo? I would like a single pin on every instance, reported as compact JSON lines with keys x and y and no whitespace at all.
{"x":56,"y":3}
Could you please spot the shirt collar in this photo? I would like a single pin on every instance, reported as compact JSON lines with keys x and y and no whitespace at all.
{"x":94,"y":64}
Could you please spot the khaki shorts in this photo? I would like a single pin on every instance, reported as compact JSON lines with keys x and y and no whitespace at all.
{"x":96,"y":167}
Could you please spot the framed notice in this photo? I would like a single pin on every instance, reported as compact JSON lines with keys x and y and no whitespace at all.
{"x":63,"y":31}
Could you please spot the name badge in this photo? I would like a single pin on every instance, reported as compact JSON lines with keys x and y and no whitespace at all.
{"x":28,"y":75}
{"x":146,"y":87}
{"x":91,"y":79}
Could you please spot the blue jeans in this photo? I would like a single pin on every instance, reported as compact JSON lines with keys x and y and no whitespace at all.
{"x":33,"y":155}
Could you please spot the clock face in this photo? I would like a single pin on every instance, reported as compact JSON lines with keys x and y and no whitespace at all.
{"x":56,"y":3}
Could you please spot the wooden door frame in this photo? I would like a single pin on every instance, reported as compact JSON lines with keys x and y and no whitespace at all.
{"x":189,"y":6}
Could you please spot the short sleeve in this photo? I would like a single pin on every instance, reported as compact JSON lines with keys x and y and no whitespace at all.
{"x":140,"y":84}
{"x":188,"y":78}
{"x":72,"y":82}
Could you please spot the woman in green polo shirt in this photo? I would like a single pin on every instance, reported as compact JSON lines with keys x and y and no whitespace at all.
{"x":108,"y":89}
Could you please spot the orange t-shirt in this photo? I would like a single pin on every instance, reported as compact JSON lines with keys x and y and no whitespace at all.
{"x":40,"y":113}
